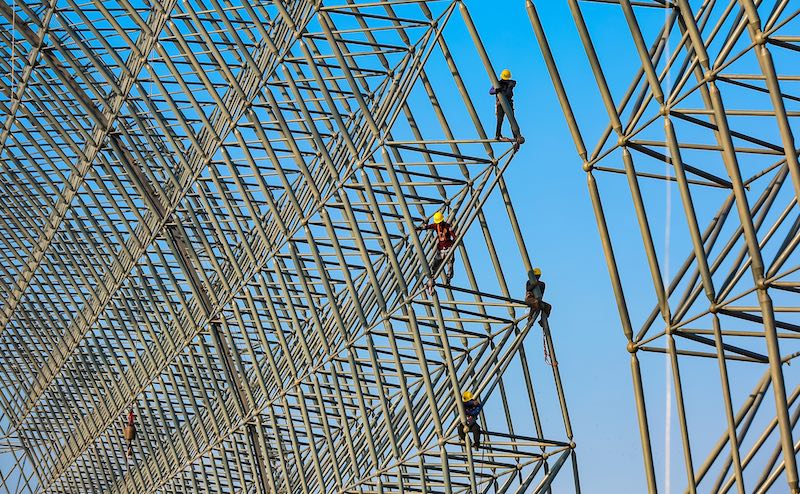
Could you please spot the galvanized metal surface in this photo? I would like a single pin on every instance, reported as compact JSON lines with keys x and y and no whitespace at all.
{"x":208,"y":214}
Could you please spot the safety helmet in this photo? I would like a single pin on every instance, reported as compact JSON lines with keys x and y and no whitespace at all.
{"x":466,"y":395}
{"x":505,"y":74}
{"x":438,"y":217}
{"x":537,"y":272}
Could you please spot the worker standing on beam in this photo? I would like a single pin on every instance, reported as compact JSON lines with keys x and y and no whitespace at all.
{"x":445,"y":240}
{"x":505,"y":89}
{"x":472,"y":408}
{"x":534,"y":292}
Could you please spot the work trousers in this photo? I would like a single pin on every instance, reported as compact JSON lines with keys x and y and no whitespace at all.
{"x":475,"y":429}
{"x":441,"y":254}
{"x":500,"y":116}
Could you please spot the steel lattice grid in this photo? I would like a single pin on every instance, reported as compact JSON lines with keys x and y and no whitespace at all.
{"x":701,"y":101}
{"x":210,"y":208}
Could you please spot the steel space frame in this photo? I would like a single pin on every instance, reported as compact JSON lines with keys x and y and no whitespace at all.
{"x":207,"y":215}
{"x":711,"y":94}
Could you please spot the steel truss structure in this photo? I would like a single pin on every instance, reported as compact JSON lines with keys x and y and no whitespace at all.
{"x":208,"y":213}
{"x":708,"y":111}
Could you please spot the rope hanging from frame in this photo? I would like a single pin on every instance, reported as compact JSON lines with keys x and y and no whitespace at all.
{"x":13,"y":49}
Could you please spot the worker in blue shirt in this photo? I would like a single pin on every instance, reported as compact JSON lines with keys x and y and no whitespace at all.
{"x":472,"y":407}
{"x":505,"y":87}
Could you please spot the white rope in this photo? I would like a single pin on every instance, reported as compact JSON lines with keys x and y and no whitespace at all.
{"x":665,"y":273}
{"x":13,"y":49}
{"x":152,"y":78}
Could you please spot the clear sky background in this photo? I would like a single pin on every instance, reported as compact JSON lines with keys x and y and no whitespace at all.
{"x":551,"y":198}
{"x":550,"y":195}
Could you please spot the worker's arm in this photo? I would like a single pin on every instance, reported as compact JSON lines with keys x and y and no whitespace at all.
{"x":476,"y":408}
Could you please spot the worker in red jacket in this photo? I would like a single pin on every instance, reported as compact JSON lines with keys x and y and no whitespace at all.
{"x":129,"y":432}
{"x":445,"y":240}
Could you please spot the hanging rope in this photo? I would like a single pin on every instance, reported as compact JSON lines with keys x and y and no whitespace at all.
{"x":13,"y":49}
{"x":483,"y":458}
{"x":548,"y":355}
{"x":152,"y":78}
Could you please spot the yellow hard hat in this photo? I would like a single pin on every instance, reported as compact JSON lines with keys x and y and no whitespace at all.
{"x":537,"y":271}
{"x":438,"y":217}
{"x":466,"y":395}
{"x":505,"y":74}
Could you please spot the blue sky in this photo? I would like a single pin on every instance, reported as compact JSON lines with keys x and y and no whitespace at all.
{"x":551,"y":198}
{"x":552,"y":201}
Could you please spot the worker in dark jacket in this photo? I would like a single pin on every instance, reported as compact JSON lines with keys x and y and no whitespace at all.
{"x":505,"y":88}
{"x":533,"y":299}
{"x":472,"y":408}
{"x":445,"y":240}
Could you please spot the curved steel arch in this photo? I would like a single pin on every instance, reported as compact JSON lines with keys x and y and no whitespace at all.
{"x":208,"y":214}
{"x":713,"y":97}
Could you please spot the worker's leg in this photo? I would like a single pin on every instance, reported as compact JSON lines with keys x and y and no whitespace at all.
{"x":461,"y":434}
{"x":437,"y":261}
{"x":513,"y":122}
{"x":476,"y":435}
{"x":498,"y":110}
{"x":545,"y":313}
{"x":441,"y":255}
{"x":448,"y":257}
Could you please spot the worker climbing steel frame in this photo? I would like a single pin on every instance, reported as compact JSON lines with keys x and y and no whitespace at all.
{"x":208,"y":214}
{"x":713,"y":96}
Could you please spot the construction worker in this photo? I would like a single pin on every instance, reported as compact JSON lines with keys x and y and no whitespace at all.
{"x":534,"y":299}
{"x":129,"y":432}
{"x":472,"y":408}
{"x":506,"y":88}
{"x":445,"y":239}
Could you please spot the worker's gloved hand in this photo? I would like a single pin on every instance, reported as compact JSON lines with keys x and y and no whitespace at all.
{"x":492,"y":90}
